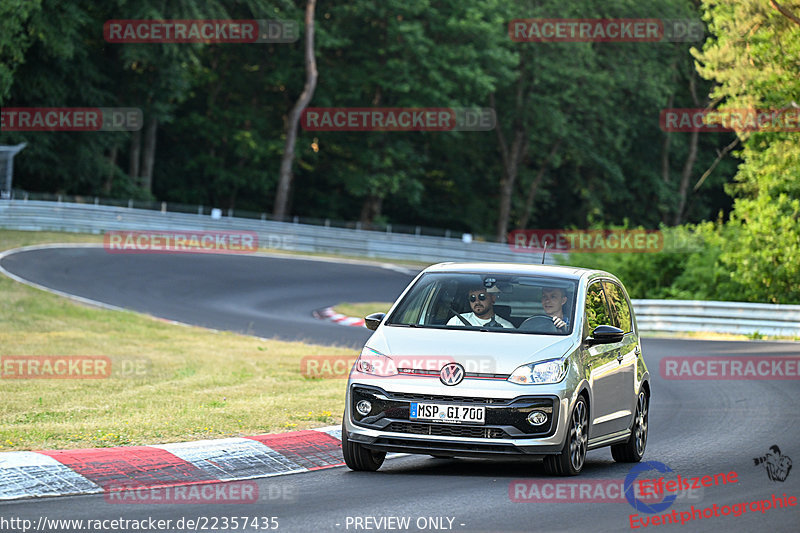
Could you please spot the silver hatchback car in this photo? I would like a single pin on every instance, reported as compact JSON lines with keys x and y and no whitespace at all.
{"x":492,"y":359}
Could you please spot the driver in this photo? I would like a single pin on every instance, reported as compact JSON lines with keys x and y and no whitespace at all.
{"x":481,"y":300}
{"x":553,"y":300}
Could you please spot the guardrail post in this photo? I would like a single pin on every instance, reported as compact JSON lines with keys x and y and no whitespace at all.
{"x":296,"y":219}
{"x":447,"y":234}
{"x":199,"y":209}
{"x":59,"y":198}
{"x":327,"y":223}
{"x":264,"y":217}
{"x":230,"y":212}
{"x":163,"y":207}
{"x":388,"y":228}
{"x":130,"y":203}
{"x":96,"y":200}
{"x":358,"y":225}
{"x":418,"y":231}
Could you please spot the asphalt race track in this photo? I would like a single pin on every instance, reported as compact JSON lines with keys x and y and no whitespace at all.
{"x":256,"y":295}
{"x":697,"y":428}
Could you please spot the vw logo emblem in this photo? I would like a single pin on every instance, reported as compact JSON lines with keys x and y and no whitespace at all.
{"x":451,"y":374}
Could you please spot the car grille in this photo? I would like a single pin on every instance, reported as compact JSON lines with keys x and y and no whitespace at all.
{"x":425,"y":372}
{"x":448,"y":430}
{"x":435,"y":398}
{"x":427,"y":446}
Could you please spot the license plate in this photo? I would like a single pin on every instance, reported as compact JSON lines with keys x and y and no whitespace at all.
{"x":448,"y":414}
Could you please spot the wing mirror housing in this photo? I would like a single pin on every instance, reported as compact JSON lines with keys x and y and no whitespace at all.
{"x":605,"y":334}
{"x":374,"y":320}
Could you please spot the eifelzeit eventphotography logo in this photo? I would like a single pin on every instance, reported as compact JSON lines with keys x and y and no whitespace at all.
{"x":776,"y":464}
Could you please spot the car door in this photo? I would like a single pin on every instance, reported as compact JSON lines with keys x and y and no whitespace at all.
{"x":608,"y":416}
{"x":624,"y":391}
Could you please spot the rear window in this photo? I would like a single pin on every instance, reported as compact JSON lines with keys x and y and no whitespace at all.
{"x":489,"y":302}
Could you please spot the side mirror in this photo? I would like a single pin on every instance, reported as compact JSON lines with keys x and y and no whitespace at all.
{"x":605,"y":335}
{"x":374,"y":320}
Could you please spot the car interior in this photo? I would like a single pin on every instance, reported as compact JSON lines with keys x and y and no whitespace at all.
{"x":522,"y":305}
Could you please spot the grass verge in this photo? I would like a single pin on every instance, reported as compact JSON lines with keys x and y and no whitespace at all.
{"x":361,"y":310}
{"x":169,"y":382}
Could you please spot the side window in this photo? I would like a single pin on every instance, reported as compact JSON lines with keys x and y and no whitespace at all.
{"x":617,"y":301}
{"x":596,"y":309}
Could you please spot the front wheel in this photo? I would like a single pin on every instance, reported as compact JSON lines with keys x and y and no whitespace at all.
{"x":359,"y":458}
{"x":632,"y":451}
{"x":570,"y":461}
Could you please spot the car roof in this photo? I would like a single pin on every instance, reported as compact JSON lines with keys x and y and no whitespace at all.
{"x":566,"y":272}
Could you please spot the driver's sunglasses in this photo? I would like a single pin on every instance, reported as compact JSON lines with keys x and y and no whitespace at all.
{"x":480,"y":297}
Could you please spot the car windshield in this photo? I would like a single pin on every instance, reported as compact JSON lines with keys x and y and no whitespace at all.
{"x":489,"y":302}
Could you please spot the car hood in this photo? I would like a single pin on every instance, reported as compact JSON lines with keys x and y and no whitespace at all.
{"x":478,"y":351}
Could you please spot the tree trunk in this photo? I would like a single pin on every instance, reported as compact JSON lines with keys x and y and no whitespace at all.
{"x":535,"y":185}
{"x":685,"y":175}
{"x":691,"y":157}
{"x":112,"y":160}
{"x":665,"y":177}
{"x":371,"y":209}
{"x":511,"y":157}
{"x":279,"y":210}
{"x":136,"y":150}
{"x":149,"y":155}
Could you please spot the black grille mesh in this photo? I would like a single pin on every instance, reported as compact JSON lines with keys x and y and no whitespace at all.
{"x":448,"y":430}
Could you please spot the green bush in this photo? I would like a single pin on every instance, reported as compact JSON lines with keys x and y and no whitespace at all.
{"x":744,"y":260}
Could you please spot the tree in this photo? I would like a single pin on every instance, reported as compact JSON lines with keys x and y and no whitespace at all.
{"x":14,"y":40}
{"x":399,"y":54}
{"x":754,"y":58}
{"x":285,"y":174}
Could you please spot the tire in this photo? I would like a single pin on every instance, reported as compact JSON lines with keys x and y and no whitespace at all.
{"x":359,"y":458}
{"x":573,"y":456}
{"x":632,"y":451}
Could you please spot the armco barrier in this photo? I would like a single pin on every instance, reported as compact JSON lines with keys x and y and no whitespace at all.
{"x":90,"y":218}
{"x":652,"y":315}
{"x":717,"y":317}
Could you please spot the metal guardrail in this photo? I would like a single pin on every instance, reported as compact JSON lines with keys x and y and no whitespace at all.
{"x":91,"y":218}
{"x":652,"y":315}
{"x":718,"y":317}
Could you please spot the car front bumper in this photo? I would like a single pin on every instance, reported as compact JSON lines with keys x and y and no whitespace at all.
{"x":505,"y":431}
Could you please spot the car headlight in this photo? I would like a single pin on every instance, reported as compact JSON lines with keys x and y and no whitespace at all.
{"x":551,"y":371}
{"x":375,"y":363}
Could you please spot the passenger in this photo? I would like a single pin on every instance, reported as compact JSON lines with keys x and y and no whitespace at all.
{"x":481,"y":300}
{"x":553,"y":300}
